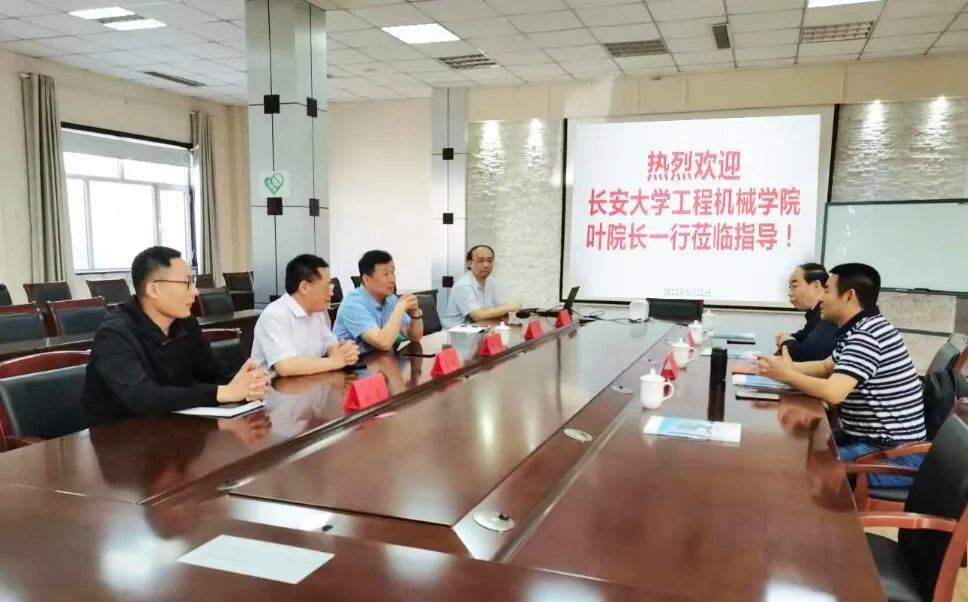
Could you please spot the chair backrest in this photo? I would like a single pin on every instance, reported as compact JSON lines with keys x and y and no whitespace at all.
{"x":43,"y":292}
{"x":431,"y":321}
{"x":78,"y":316}
{"x":238,"y":281}
{"x":226,"y":344}
{"x":204,"y":281}
{"x":944,"y":359}
{"x":40,"y":395}
{"x":941,"y":389}
{"x":337,"y":291}
{"x":21,"y":323}
{"x":114,"y":290}
{"x":357,"y":281}
{"x":215,"y":301}
{"x":5,"y":296}
{"x":940,"y":489}
{"x":960,"y":341}
{"x":677,"y":310}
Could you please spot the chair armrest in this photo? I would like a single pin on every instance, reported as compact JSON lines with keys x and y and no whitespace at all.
{"x":15,"y":442}
{"x":901,"y":450}
{"x":907,"y":520}
{"x":855,"y":468}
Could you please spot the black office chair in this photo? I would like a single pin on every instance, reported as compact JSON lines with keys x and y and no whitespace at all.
{"x":337,"y":296}
{"x":215,"y":301}
{"x":357,"y":281}
{"x":204,"y":281}
{"x":40,"y":395}
{"x":78,"y":315}
{"x":238,"y":281}
{"x":948,"y":354}
{"x":5,"y":296}
{"x":21,"y":323}
{"x":676,"y":310}
{"x":922,"y":565}
{"x":112,"y":290}
{"x":44,"y":292}
{"x":226,"y":344}
{"x":431,"y":321}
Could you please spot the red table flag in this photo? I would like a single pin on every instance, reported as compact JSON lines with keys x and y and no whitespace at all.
{"x":492,"y":345}
{"x":534,"y":330}
{"x":366,"y":392}
{"x":564,"y":318}
{"x":670,"y":369}
{"x":445,"y":362}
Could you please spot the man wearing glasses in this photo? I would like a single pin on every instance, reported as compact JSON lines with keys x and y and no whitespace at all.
{"x":150,"y":357}
{"x":474,"y":296}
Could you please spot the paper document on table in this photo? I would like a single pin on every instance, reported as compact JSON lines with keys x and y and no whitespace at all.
{"x":228,"y":410}
{"x":735,"y":336}
{"x":734,"y":354}
{"x":755,"y":381}
{"x":688,"y":428}
{"x":262,"y":559}
{"x":466,"y":329}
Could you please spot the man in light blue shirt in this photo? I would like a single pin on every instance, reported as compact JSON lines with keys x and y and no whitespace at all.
{"x":373,"y":316}
{"x":292,"y":336}
{"x":474,"y":296}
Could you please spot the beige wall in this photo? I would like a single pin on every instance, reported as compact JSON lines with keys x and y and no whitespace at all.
{"x":379,"y":187}
{"x":89,"y":99}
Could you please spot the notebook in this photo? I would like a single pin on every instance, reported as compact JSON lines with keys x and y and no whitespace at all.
{"x":754,"y":381}
{"x":225,"y":410}
{"x":688,"y":428}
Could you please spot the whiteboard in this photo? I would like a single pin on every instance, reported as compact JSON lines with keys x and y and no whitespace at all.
{"x":912,"y":245}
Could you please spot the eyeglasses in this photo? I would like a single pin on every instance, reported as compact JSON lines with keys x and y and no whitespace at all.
{"x":187,"y":283}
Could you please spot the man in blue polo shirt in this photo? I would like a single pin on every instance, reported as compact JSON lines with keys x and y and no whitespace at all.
{"x":870,"y":375}
{"x":372,"y":315}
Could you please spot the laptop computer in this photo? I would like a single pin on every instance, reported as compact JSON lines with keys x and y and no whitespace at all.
{"x":569,"y":302}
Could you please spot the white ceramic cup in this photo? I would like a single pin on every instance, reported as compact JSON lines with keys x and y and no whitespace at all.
{"x":696,"y":331}
{"x":653,"y":390}
{"x":505,"y":333}
{"x":709,"y":320}
{"x":682,"y":352}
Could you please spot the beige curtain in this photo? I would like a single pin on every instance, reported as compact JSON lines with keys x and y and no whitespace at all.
{"x":50,"y":233}
{"x":203,"y":148}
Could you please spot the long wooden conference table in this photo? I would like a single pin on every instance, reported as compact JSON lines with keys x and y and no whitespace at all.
{"x":523,"y":476}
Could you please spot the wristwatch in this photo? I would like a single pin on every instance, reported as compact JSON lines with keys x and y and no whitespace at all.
{"x":419,"y":316}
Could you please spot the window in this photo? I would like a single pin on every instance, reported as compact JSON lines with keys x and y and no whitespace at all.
{"x":125,"y":195}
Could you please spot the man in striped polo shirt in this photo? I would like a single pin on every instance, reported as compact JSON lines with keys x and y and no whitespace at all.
{"x":870,"y":375}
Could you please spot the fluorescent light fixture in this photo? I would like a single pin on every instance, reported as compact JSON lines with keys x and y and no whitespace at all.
{"x":101,"y":13}
{"x":135,"y":24}
{"x":427,"y":33}
{"x":823,"y":3}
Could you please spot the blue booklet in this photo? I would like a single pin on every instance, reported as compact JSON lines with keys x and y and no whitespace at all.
{"x":754,"y":381}
{"x":689,"y":428}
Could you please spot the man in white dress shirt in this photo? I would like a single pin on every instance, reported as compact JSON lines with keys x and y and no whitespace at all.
{"x":292,"y":336}
{"x":474,"y":296}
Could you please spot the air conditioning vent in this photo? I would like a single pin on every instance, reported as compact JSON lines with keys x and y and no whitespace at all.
{"x":637,"y":48}
{"x":841,"y":32}
{"x":467,"y":61}
{"x":174,"y":78}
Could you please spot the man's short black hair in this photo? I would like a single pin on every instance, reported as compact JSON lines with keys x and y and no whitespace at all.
{"x":371,"y":259}
{"x":470,"y":252}
{"x":147,"y":263}
{"x":303,"y":267}
{"x":861,"y":277}
{"x":814,"y":272}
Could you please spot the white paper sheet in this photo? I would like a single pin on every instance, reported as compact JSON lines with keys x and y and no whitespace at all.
{"x":224,"y":410}
{"x":261,"y":559}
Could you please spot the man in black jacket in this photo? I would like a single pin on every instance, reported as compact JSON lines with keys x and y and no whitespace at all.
{"x":815,"y":341}
{"x":150,"y":357}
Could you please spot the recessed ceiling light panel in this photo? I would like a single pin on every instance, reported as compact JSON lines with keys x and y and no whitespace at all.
{"x":101,"y":13}
{"x":139,"y":23}
{"x":428,"y":33}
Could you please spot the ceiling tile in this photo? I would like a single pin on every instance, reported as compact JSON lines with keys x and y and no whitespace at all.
{"x":164,"y":55}
{"x":622,"y":14}
{"x":23,"y":8}
{"x":418,"y":66}
{"x":578,"y":53}
{"x":766,"y":63}
{"x":527,"y":71}
{"x":705,"y":67}
{"x":481,"y":28}
{"x":217,"y":31}
{"x":638,"y":63}
{"x":456,"y":10}
{"x":556,"y":21}
{"x":371,"y":70}
{"x":506,"y":43}
{"x":557,"y":39}
{"x":953,"y":38}
{"x":901,"y":9}
{"x":240,"y":64}
{"x":703,"y":58}
{"x":901,"y":27}
{"x":119,"y":58}
{"x":393,"y":53}
{"x":173,"y":13}
{"x":921,"y":41}
{"x":766,"y":52}
{"x":347,"y":57}
{"x":441,"y":77}
{"x":520,"y":57}
{"x":835,"y":58}
{"x":81,"y":62}
{"x":395,"y":79}
{"x":832,"y":15}
{"x":73,"y":45}
{"x":239,"y":45}
{"x":885,"y":54}
{"x":415,"y":91}
{"x":365,"y":38}
{"x":831,"y":48}
{"x":960,"y":23}
{"x":348,"y":83}
{"x":22,"y":30}
{"x":66,"y":24}
{"x":223,"y":9}
{"x":591,"y":3}
{"x":26,"y":48}
{"x":211,"y":50}
{"x":626,"y":33}
{"x":357,"y":3}
{"x":692,"y":28}
{"x":704,"y":44}
{"x":489,"y":74}
{"x":388,"y":16}
{"x":764,"y":21}
{"x":517,"y":7}
{"x":341,"y":20}
{"x":447,"y":49}
{"x":207,"y":68}
{"x":735,"y":7}
{"x":593,"y":67}
{"x":756,"y":39}
{"x":122,"y":73}
{"x":945,"y":49}
{"x":674,"y":10}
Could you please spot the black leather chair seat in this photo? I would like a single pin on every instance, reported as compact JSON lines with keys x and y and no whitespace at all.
{"x":895,"y":572}
{"x":45,"y":404}
{"x":889,"y":494}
